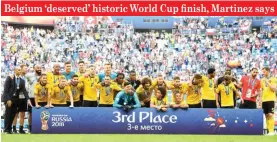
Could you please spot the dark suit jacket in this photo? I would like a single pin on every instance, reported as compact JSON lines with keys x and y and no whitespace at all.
{"x":10,"y":89}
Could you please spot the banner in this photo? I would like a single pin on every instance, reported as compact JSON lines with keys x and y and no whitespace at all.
{"x":147,"y":121}
{"x":138,"y":8}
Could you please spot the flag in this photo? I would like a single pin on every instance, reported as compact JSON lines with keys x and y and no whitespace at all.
{"x":210,"y":31}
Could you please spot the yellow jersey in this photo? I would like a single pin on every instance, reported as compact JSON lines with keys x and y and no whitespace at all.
{"x":59,"y":96}
{"x":41,"y":92}
{"x":76,"y":92}
{"x":80,"y":74}
{"x":268,"y":94}
{"x":157,"y":102}
{"x":107,"y":94}
{"x":155,"y":85}
{"x":174,"y":89}
{"x":53,"y":79}
{"x":90,"y":90}
{"x":119,"y":85}
{"x":208,"y":90}
{"x":226,"y":94}
{"x":143,"y":94}
{"x":193,"y":94}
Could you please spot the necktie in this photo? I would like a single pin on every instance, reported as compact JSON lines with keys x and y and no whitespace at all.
{"x":17,"y":82}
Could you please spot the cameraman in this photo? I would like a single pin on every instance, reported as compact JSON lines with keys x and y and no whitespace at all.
{"x":126,"y":98}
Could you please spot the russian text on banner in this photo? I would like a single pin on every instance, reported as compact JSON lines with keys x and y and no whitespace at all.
{"x":145,"y":121}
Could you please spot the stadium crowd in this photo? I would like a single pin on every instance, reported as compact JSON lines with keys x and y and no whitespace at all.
{"x":81,"y":64}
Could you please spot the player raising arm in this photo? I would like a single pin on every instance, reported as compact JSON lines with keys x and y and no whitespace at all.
{"x":193,"y":91}
{"x":176,"y":86}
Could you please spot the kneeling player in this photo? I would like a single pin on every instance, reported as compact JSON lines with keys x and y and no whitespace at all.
{"x":159,"y":101}
{"x":126,"y":98}
{"x":42,"y":92}
{"x":60,"y":92}
{"x":179,"y":101}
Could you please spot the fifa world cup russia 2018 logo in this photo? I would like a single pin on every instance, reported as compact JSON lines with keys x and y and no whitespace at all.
{"x":44,"y":117}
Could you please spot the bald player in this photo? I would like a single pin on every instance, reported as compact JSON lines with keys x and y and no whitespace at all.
{"x":53,"y":77}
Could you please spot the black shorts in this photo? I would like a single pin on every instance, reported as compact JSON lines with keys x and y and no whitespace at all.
{"x":42,"y":104}
{"x":248,"y":105}
{"x":209,"y":104}
{"x":89,"y":103}
{"x":195,"y":105}
{"x":105,"y":105}
{"x":227,"y":107}
{"x":22,"y":105}
{"x":33,"y":104}
{"x":235,"y":100}
{"x":59,"y":105}
{"x":81,"y":98}
{"x":76,"y":104}
{"x":268,"y":107}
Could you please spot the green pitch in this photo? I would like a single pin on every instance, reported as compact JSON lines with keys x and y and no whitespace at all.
{"x":132,"y":138}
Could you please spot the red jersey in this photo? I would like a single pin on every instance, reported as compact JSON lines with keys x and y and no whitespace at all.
{"x":250,"y":85}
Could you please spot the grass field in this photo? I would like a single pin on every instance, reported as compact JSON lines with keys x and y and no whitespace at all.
{"x":133,"y":138}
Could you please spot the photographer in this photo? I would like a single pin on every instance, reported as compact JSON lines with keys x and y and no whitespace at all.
{"x":126,"y":98}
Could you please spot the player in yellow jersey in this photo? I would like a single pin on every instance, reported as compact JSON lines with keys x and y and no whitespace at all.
{"x":53,"y":77}
{"x":176,"y":87}
{"x":60,"y":92}
{"x":193,"y":91}
{"x":107,"y":91}
{"x":144,"y":92}
{"x":159,"y":82}
{"x":42,"y":92}
{"x":268,"y":98}
{"x":159,"y":101}
{"x":120,"y":80}
{"x":80,"y":73}
{"x":208,"y":90}
{"x":76,"y":89}
{"x":179,"y":101}
{"x":82,"y":69}
{"x":227,"y":90}
{"x":90,"y":91}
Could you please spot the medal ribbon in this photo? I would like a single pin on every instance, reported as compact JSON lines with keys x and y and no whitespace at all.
{"x":227,"y":90}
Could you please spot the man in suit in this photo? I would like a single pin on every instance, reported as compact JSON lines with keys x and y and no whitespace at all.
{"x":13,"y":87}
{"x":22,"y":103}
